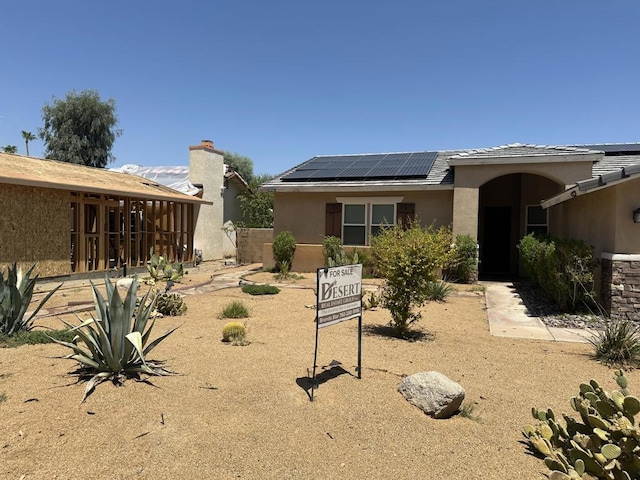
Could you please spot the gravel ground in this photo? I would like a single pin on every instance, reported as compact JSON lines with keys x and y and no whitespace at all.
{"x":550,"y":314}
{"x":244,"y":411}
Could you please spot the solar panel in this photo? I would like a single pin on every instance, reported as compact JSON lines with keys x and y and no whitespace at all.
{"x":412,"y":171}
{"x":613,"y":148}
{"x":355,"y":172}
{"x":364,"y":167}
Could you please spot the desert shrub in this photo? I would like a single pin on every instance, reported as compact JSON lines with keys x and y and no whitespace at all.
{"x":36,"y":337}
{"x":468,"y":410}
{"x":234,"y":332}
{"x":372,"y":301}
{"x":170,"y":304}
{"x":16,"y":292}
{"x":260,"y":289}
{"x":283,"y":247}
{"x":462,"y":265}
{"x":603,"y":442}
{"x":408,"y":260}
{"x":116,"y":340}
{"x":235,"y":309}
{"x":562,"y":268}
{"x":617,"y":343}
{"x":438,"y":290}
{"x":3,"y":397}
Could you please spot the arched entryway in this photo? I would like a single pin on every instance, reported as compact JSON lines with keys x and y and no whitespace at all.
{"x":508,"y":209}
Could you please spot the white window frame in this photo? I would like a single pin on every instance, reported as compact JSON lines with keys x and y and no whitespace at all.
{"x":368,"y":203}
{"x":527,"y":224}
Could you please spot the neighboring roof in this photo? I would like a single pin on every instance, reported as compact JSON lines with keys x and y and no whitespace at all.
{"x":606,"y":157}
{"x":37,"y":172}
{"x":231,"y":174}
{"x":606,"y":180}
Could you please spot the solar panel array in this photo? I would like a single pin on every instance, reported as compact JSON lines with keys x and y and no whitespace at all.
{"x":613,"y":148}
{"x":364,"y":167}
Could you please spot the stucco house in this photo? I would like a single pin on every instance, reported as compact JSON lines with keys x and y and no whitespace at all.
{"x":497,"y":195}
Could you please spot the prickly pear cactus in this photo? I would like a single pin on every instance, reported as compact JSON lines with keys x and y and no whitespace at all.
{"x":603,"y":443}
{"x":170,"y":304}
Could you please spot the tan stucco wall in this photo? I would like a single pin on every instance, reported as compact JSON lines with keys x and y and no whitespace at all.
{"x":206,"y":169}
{"x":304,"y":213}
{"x":627,"y":233}
{"x":603,"y":218}
{"x":569,"y":173}
{"x":250,"y":244}
{"x":36,"y":228}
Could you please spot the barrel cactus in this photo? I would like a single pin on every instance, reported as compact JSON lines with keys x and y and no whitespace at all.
{"x":234,"y":332}
{"x":603,"y":443}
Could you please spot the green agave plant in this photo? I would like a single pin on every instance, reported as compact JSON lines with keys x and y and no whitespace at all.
{"x":16,"y":292}
{"x":116,"y":340}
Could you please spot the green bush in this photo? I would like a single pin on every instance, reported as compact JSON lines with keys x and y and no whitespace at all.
{"x":260,"y":289}
{"x":284,"y":247}
{"x":618,"y":343}
{"x":16,"y":292}
{"x":116,"y":341}
{"x":562,"y":268}
{"x":604,"y":442}
{"x":408,"y":260}
{"x":463,"y":261}
{"x":36,"y":337}
{"x":235,"y":309}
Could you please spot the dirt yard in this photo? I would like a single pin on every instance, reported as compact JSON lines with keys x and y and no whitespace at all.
{"x":244,"y":412}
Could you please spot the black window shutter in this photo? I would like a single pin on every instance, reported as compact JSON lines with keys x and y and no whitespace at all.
{"x":406,"y":214}
{"x":333,"y":220}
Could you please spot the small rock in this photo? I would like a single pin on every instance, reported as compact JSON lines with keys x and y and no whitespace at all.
{"x":432,"y":392}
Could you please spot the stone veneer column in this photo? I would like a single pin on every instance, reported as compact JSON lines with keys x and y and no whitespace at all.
{"x":621,"y":285}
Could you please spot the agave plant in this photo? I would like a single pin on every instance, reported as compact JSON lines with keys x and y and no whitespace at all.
{"x":116,"y":340}
{"x":16,"y":292}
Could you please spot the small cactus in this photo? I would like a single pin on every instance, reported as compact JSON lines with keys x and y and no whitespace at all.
{"x":170,"y":304}
{"x":233,"y":332}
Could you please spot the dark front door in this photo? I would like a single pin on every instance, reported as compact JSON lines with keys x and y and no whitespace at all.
{"x":496,"y":250}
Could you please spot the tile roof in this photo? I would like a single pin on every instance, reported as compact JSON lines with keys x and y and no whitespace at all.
{"x":521,"y":150}
{"x":614,"y":156}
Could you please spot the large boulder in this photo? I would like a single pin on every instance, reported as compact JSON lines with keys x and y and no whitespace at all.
{"x":433,"y":393}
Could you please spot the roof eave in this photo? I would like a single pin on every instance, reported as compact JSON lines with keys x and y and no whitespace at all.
{"x":336,"y":187}
{"x":108,"y":191}
{"x":511,"y":160}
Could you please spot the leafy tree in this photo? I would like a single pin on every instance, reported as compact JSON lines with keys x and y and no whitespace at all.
{"x":241,"y":164}
{"x":257,"y":207}
{"x":80,"y":129}
{"x":28,"y":136}
{"x":10,"y":149}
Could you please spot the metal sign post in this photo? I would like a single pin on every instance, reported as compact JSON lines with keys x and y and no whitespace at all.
{"x":339,"y":299}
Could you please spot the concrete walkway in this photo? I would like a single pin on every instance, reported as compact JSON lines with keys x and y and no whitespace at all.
{"x":508,"y":317}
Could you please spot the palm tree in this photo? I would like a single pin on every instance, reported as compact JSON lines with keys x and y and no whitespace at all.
{"x":10,"y":149}
{"x":28,"y":136}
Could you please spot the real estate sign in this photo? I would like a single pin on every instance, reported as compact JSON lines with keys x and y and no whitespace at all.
{"x":339,"y":294}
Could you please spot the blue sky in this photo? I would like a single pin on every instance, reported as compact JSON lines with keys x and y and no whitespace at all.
{"x":281,"y":81}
